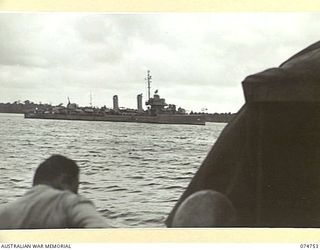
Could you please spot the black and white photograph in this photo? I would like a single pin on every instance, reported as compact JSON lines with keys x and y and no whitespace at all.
{"x":159,"y":120}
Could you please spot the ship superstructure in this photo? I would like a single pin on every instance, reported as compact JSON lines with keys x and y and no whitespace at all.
{"x":158,"y":111}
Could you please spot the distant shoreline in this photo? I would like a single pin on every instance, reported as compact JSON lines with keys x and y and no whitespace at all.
{"x":27,"y":106}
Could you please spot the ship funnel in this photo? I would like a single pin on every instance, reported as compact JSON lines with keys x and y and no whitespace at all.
{"x":139,"y":103}
{"x":115,"y":102}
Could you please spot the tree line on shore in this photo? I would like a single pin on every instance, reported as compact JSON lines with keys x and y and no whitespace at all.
{"x":27,"y":106}
{"x":22,"y":107}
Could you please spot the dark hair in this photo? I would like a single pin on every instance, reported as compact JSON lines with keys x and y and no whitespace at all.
{"x":53,"y":168}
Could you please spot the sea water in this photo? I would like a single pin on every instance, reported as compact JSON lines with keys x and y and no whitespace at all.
{"x":133,"y":172}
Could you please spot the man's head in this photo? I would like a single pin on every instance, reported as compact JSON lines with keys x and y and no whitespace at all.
{"x":59,"y":172}
{"x":206,"y":208}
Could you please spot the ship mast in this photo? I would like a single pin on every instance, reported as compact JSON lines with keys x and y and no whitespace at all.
{"x":90,"y":99}
{"x":149,"y":77}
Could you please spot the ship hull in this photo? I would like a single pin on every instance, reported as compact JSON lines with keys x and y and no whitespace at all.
{"x":160,"y":119}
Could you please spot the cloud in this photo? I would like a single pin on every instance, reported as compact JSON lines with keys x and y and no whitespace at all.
{"x":197,"y":60}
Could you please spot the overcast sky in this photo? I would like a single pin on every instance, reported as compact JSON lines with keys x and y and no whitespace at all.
{"x":196,"y":60}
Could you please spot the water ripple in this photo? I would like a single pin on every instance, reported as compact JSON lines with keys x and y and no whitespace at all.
{"x":134,"y":173}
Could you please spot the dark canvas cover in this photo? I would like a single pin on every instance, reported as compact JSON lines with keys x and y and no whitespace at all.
{"x":267,"y":159}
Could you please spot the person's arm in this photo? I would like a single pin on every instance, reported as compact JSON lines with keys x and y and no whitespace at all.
{"x":81,"y":213}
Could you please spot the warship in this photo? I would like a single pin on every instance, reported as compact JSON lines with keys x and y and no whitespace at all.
{"x":158,"y":111}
